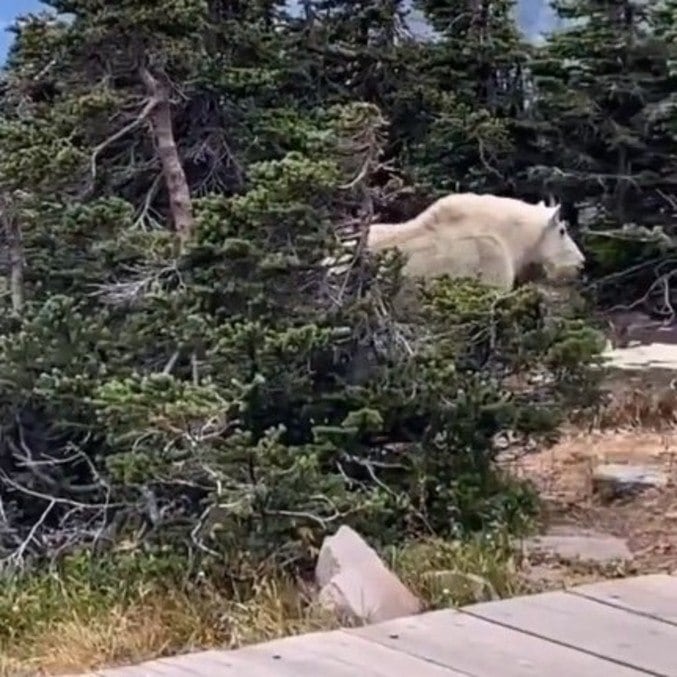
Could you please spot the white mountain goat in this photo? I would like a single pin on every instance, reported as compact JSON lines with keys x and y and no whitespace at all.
{"x":493,"y":239}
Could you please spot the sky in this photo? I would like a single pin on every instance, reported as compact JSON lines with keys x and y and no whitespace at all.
{"x":534,"y":16}
{"x":9,"y":10}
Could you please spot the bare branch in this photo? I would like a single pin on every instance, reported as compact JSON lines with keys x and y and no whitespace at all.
{"x":151,"y":103}
{"x":170,"y":363}
{"x":10,"y":222}
{"x":670,"y":200}
{"x":144,"y":212}
{"x":16,"y":558}
{"x":180,"y":201}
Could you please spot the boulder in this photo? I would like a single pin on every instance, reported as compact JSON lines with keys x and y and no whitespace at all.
{"x":615,"y":480}
{"x":357,"y":585}
{"x":579,"y":545}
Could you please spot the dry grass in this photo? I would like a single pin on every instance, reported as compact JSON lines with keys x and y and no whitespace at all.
{"x":644,"y":400}
{"x":641,"y":409}
{"x":82,"y":627}
{"x":156,"y":623}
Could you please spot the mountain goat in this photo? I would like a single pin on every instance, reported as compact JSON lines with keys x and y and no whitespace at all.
{"x":490,"y":238}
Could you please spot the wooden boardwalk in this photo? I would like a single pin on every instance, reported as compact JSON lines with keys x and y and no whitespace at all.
{"x":619,"y":628}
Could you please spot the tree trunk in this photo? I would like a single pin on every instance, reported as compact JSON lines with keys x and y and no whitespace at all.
{"x":15,"y":249}
{"x":180,"y":203}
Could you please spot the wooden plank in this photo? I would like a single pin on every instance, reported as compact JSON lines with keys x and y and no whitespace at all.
{"x":202,"y":664}
{"x":653,"y":595}
{"x":485,"y":649}
{"x":154,"y":668}
{"x":190,"y":664}
{"x":207,"y":663}
{"x":337,"y":654}
{"x":141,"y":670}
{"x":615,"y":634}
{"x":334,"y":654}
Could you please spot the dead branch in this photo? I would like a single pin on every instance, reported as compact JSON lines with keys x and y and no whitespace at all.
{"x":660,"y":285}
{"x":15,"y":559}
{"x":670,"y":200}
{"x":144,"y":212}
{"x":151,"y":103}
{"x":483,"y":158}
{"x":10,"y":222}
{"x":171,"y":362}
{"x":140,"y":283}
{"x":160,"y":116}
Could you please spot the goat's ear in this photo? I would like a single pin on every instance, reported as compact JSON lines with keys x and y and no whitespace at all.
{"x":554,"y":216}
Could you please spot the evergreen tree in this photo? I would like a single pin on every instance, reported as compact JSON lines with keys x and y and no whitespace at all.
{"x":599,"y":132}
{"x":182,"y":367}
{"x":472,"y":80}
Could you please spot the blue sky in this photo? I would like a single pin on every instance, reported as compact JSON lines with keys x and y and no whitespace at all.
{"x":9,"y":10}
{"x":534,"y":16}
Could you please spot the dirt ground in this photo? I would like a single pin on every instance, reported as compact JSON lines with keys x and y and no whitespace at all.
{"x":646,"y":522}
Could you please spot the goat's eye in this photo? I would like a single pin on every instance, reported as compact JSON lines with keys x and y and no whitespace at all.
{"x":562,"y":231}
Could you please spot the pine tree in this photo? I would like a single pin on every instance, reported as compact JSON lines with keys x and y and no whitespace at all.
{"x":601,"y":87}
{"x":598,"y":83}
{"x":473,"y":79}
{"x":183,"y":367}
{"x":663,"y":21}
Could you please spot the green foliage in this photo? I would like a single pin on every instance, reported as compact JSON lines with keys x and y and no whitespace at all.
{"x":231,"y":397}
{"x":29,"y":603}
{"x":605,"y":134}
{"x":471,"y":89}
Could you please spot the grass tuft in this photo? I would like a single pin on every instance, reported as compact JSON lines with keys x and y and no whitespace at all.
{"x":91,"y":614}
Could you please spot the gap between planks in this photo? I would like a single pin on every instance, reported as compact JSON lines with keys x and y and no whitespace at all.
{"x":652,"y":595}
{"x":611,"y":632}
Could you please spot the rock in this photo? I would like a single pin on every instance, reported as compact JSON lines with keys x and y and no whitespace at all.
{"x":584,"y":546}
{"x":357,"y":585}
{"x":642,"y":357}
{"x":613,"y":480}
{"x":345,"y":543}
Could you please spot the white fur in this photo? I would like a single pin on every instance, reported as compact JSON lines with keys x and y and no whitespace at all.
{"x":491,"y":238}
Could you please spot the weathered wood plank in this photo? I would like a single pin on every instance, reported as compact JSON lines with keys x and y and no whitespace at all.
{"x":654,"y":595}
{"x":198,"y":664}
{"x":486,"y":649}
{"x":333,"y":654}
{"x":338,"y":654}
{"x":615,"y":634}
{"x":212,"y":662}
{"x":205,"y":663}
{"x":142,"y":670}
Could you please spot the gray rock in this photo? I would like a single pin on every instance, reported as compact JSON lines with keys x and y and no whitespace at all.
{"x":651,"y":356}
{"x":613,"y":480}
{"x":357,"y":585}
{"x":584,"y":546}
